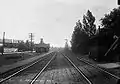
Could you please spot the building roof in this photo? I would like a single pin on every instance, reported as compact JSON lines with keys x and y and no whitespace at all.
{"x":42,"y":45}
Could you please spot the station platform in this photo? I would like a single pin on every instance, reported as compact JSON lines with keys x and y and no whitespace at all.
{"x":110,"y":65}
{"x":6,"y":68}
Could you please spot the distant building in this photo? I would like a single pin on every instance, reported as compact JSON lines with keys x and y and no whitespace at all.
{"x":10,"y":41}
{"x":42,"y":47}
{"x":10,"y":45}
{"x":15,"y":41}
{"x":6,"y":40}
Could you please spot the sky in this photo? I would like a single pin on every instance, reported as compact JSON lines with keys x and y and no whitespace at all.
{"x":52,"y":20}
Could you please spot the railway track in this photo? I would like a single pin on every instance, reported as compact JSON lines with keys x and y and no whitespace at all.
{"x":59,"y":68}
{"x":66,"y":72}
{"x":77,"y":68}
{"x":94,"y":73}
{"x":97,"y":67}
{"x":110,"y":78}
{"x":31,"y":68}
{"x":56,"y":69}
{"x":11,"y":71}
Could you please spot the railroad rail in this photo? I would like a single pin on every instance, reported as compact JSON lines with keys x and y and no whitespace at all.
{"x":29,"y":66}
{"x":35,"y":78}
{"x":97,"y":67}
{"x":49,"y":65}
{"x":77,"y":68}
{"x":83,"y":67}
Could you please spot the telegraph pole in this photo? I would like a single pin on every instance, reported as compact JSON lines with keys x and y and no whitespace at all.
{"x":3,"y":42}
{"x":66,"y":43}
{"x":31,"y":39}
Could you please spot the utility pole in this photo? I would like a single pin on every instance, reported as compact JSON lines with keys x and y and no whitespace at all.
{"x":31,"y":39}
{"x":3,"y":42}
{"x":66,"y":43}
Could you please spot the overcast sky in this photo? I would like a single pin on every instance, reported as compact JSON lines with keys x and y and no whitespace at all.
{"x":53,"y":20}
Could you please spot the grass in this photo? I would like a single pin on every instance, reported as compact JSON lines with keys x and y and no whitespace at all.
{"x":8,"y":59}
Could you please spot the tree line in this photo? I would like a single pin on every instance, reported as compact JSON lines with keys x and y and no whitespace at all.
{"x":88,"y":39}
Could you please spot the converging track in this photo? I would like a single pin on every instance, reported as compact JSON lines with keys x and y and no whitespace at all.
{"x":28,"y":73}
{"x":60,"y":68}
{"x":108,"y":77}
{"x":94,"y":73}
{"x":61,"y":71}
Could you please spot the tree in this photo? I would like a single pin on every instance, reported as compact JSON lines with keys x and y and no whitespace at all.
{"x":88,"y":24}
{"x":28,"y":44}
{"x":75,"y":36}
{"x":111,"y":21}
{"x":82,"y":32}
{"x":79,"y":38}
{"x":22,"y":46}
{"x":104,"y":39}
